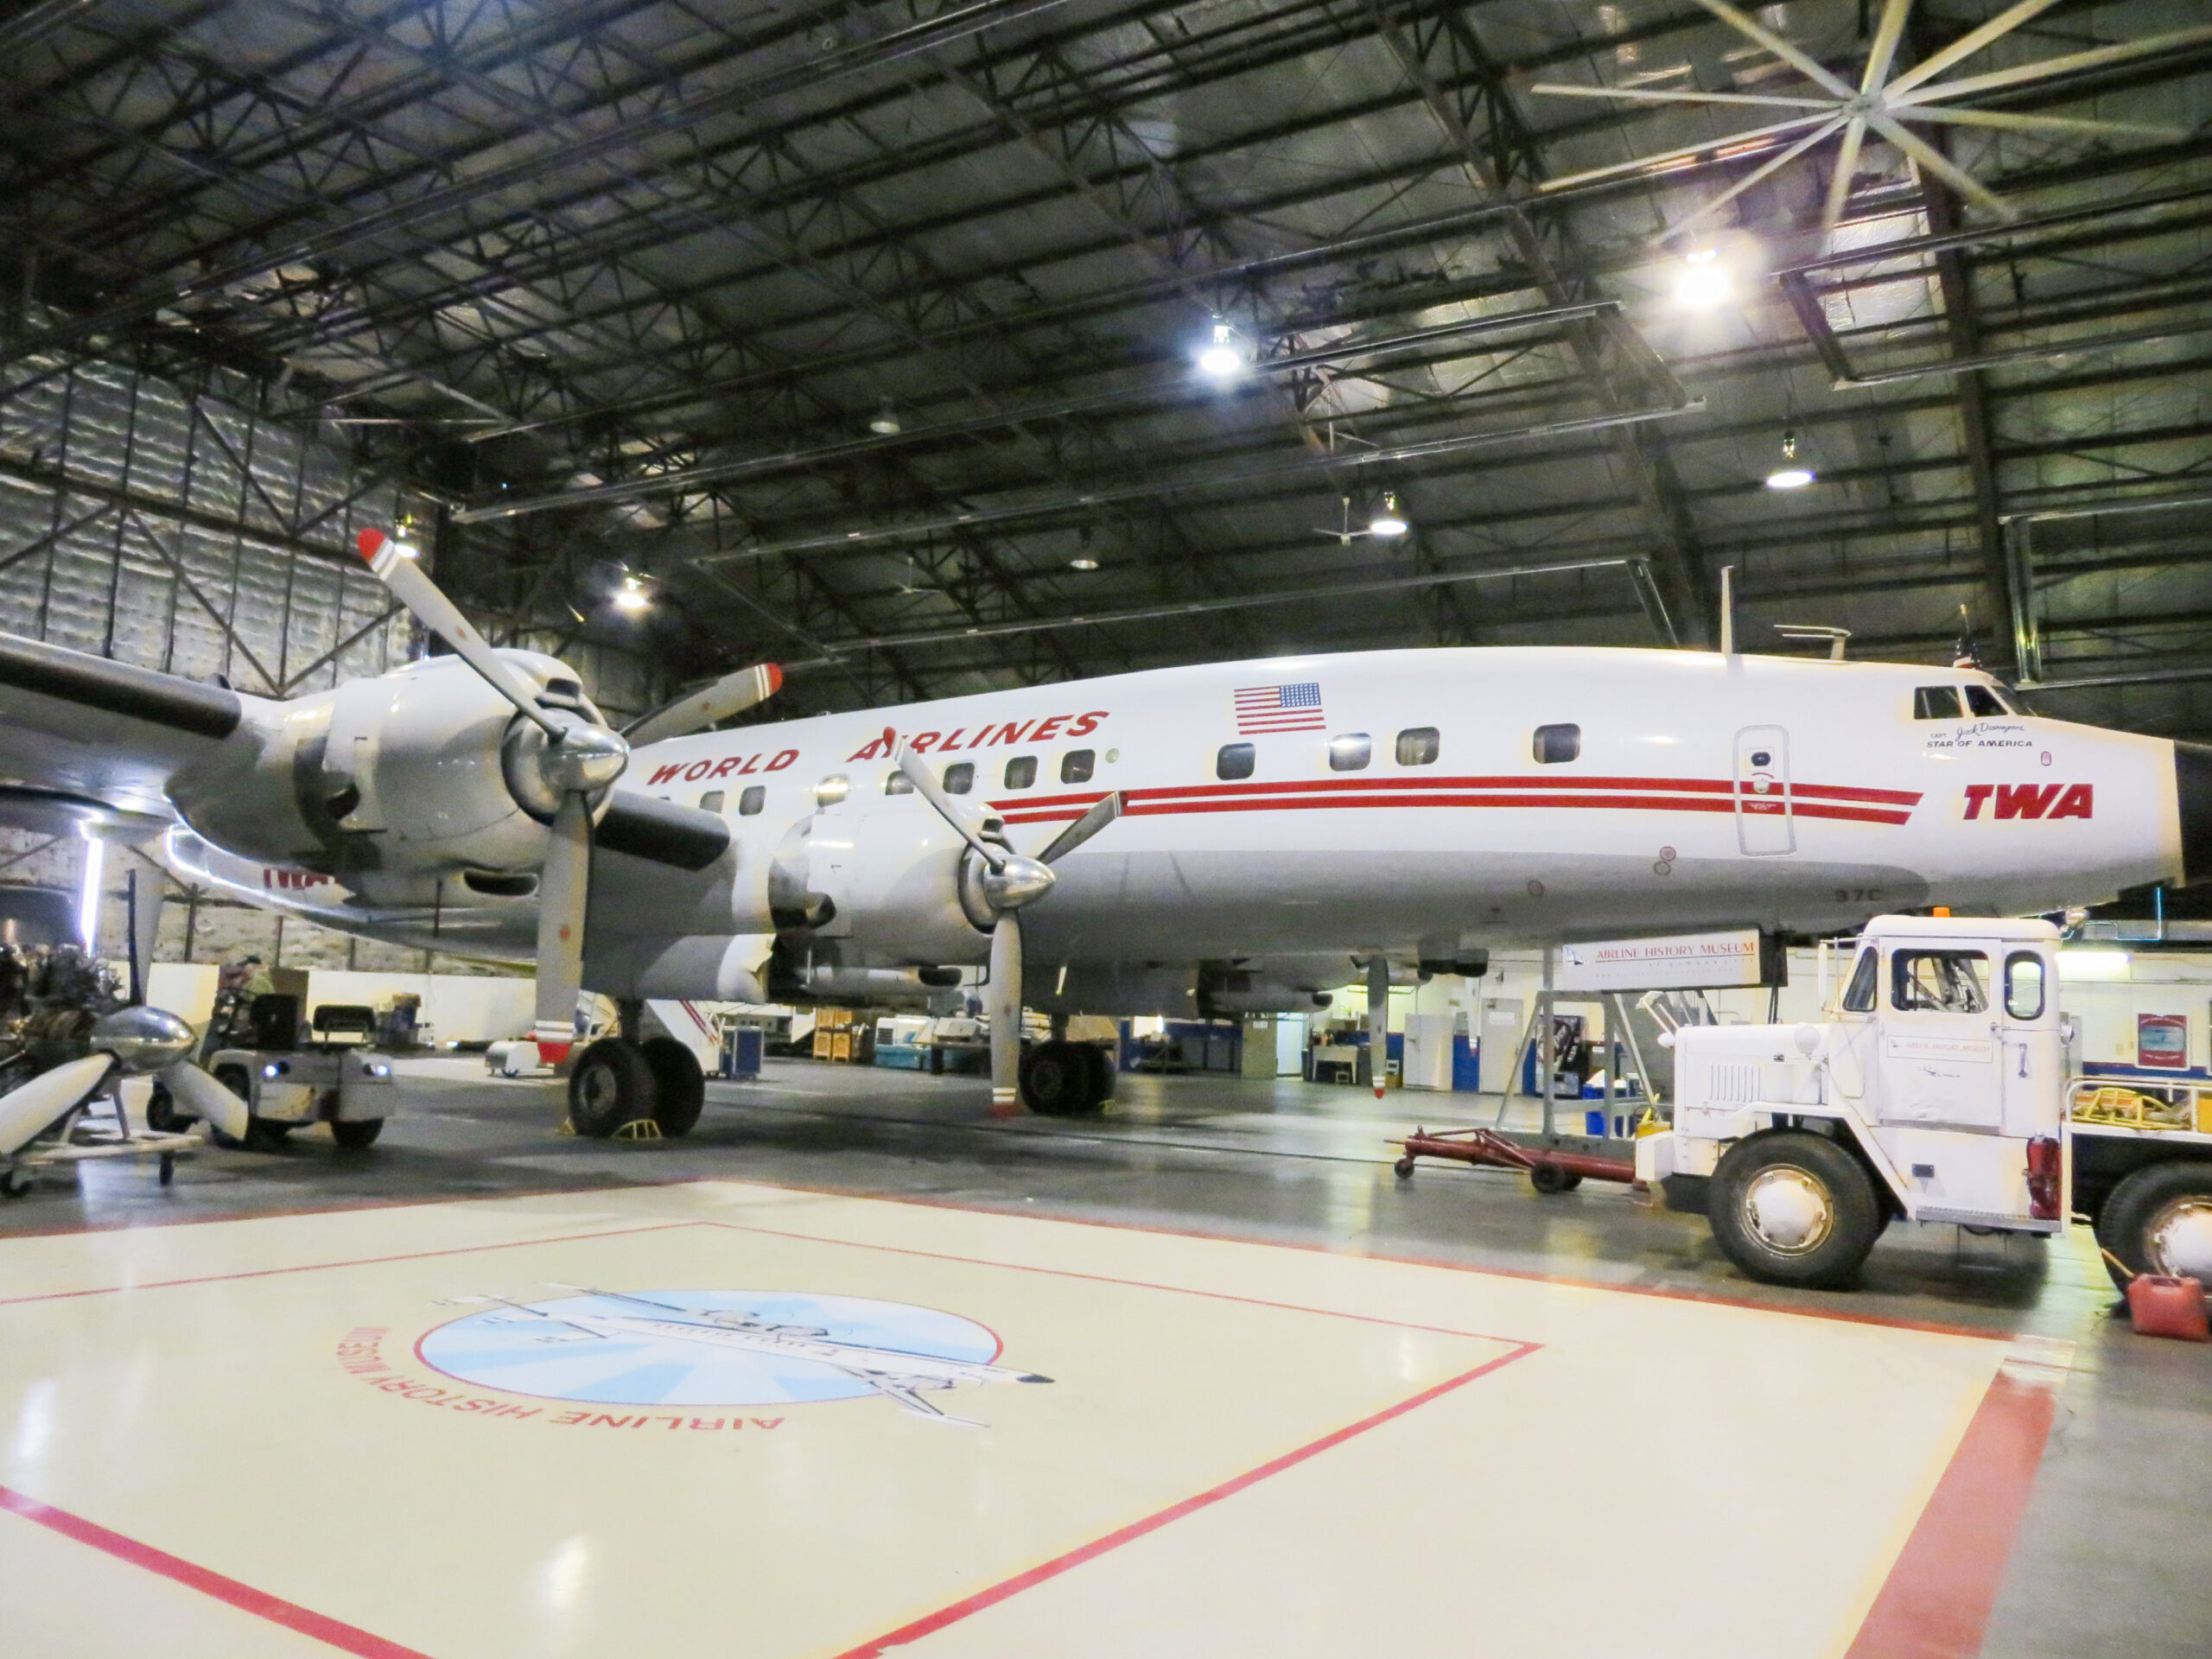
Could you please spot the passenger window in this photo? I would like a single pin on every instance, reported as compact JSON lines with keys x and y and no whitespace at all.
{"x":960,"y":778}
{"x":1936,"y":703}
{"x":1858,"y":995}
{"x":1075,"y":766}
{"x":1352,"y":751}
{"x":2023,"y":986}
{"x":1022,"y":771}
{"x":711,"y":801}
{"x":750,"y":803}
{"x":1235,"y":760}
{"x":1556,"y":745}
{"x":1981,"y":700}
{"x":832,"y":790}
{"x":897,"y":783}
{"x":1940,"y":982}
{"x":1418,"y":745}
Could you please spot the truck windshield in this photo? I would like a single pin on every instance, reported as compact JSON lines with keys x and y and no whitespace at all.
{"x":1858,"y":995}
{"x":1940,"y":982}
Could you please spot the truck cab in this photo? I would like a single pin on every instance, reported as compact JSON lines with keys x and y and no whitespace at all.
{"x":1934,"y":1089}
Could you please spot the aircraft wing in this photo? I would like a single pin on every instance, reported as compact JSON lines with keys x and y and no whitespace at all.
{"x":84,"y":741}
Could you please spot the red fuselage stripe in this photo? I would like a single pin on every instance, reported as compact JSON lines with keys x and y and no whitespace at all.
{"x":1440,"y":786}
{"x":1040,"y":812}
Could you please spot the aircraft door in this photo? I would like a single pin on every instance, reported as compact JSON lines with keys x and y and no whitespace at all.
{"x":1941,"y":1035}
{"x":1765,"y":823}
{"x":2033,"y":1062}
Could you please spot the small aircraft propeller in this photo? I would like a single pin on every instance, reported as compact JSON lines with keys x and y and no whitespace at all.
{"x":577,"y":760}
{"x":1009,"y":882}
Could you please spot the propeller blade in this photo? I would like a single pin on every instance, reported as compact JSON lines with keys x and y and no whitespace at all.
{"x":25,"y":1112}
{"x":1005,"y":1013}
{"x":694,"y":711}
{"x":199,"y":1095}
{"x":1378,"y":1021}
{"x":918,"y":773}
{"x":1101,"y":813}
{"x":412,"y":587}
{"x":563,"y":887}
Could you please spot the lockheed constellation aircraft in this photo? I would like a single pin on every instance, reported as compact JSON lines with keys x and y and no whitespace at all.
{"x":1217,"y":839}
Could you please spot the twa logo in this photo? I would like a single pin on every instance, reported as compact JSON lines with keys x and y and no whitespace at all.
{"x":2033,"y":800}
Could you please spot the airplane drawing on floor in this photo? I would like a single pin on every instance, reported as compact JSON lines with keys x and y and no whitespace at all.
{"x":901,"y":1376}
{"x":1211,"y":840}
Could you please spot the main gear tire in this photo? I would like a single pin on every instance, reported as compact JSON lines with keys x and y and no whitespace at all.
{"x":1059,"y":1079}
{"x":613,"y":1084}
{"x":1792,"y":1208}
{"x":679,"y":1087}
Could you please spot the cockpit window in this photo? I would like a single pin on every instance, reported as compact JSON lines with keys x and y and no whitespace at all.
{"x":1940,"y":982}
{"x":1982,"y":700}
{"x":1936,"y":703}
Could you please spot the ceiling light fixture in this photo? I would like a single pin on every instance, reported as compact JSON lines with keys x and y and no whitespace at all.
{"x":1789,"y":475}
{"x":1388,"y":522}
{"x":1083,"y":564}
{"x":885,"y":421}
{"x":632,"y":596}
{"x":1704,"y":282}
{"x":1221,"y":357}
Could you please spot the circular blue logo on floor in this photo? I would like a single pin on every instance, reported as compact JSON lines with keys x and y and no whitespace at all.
{"x":712,"y":1348}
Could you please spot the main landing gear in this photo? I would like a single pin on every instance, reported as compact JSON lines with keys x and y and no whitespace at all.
{"x":1065,"y":1079}
{"x":617,"y":1082}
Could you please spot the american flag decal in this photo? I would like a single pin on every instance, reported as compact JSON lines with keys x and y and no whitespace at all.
{"x":1293,"y":707}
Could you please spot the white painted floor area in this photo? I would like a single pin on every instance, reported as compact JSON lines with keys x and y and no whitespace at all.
{"x":223,"y":1433}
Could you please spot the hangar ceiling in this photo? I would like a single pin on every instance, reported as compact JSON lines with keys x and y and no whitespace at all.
{"x":865,"y":334}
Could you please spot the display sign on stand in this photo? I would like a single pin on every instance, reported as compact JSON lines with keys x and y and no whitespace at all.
{"x":1740,"y":957}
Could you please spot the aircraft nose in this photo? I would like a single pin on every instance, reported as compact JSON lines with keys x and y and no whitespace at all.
{"x":2193,"y":793}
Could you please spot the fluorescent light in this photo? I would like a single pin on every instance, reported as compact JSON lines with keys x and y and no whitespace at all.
{"x":632,"y":596}
{"x":1083,"y":564}
{"x":88,"y":893}
{"x":2093,"y":964}
{"x":1389,"y":521}
{"x":1789,"y":478}
{"x":1704,"y":282}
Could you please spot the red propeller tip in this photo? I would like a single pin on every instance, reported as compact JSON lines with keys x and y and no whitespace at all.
{"x":775,"y":674}
{"x":368,"y":541}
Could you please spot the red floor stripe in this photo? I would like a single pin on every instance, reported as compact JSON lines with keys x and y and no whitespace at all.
{"x":343,"y":1637}
{"x":931,"y":1623}
{"x":1936,"y":1601}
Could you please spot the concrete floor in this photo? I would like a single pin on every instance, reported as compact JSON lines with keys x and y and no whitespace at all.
{"x":2109,"y":1552}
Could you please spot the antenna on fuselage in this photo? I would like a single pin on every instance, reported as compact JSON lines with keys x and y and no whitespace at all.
{"x":1727,"y":610}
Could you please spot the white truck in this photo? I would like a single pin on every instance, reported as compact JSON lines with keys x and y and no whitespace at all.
{"x":1936,"y":1088}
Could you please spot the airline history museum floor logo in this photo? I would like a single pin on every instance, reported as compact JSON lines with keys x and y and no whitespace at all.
{"x":678,"y":1353}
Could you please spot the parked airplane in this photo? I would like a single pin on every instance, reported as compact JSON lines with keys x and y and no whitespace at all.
{"x":892,"y":1372}
{"x":1223,"y":838}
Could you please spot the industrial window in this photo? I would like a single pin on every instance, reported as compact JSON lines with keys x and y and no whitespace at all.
{"x":1940,"y":982}
{"x":711,"y":801}
{"x":1554,"y":746}
{"x":750,"y":803}
{"x":1075,"y":766}
{"x":832,"y":790}
{"x":960,"y":778}
{"x":1418,"y":745}
{"x":1022,"y":771}
{"x":897,"y":783}
{"x":1936,"y":703}
{"x":1352,"y":751}
{"x":1858,"y":995}
{"x":1981,"y":700}
{"x":1235,"y":760}
{"x":2023,"y":975}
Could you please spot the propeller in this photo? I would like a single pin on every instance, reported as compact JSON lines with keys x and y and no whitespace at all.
{"x":1009,"y":881}
{"x":694,"y":711}
{"x":150,"y":1040}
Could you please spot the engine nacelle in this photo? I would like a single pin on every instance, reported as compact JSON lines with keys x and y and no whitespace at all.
{"x":880,"y":882}
{"x":391,"y":783}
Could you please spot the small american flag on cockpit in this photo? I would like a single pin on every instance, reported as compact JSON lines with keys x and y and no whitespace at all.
{"x":1293,"y":707}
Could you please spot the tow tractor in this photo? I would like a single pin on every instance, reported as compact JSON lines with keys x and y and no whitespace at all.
{"x":334,"y":1076}
{"x":1934,"y":1089}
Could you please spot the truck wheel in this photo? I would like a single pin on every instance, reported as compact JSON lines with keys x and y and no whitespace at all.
{"x":1790,"y":1208}
{"x":162,"y":1114}
{"x":1549,"y":1178}
{"x":2159,"y":1220}
{"x":679,"y":1087}
{"x":1059,"y":1080}
{"x":611,"y":1085}
{"x":356,"y":1133}
{"x":262,"y":1134}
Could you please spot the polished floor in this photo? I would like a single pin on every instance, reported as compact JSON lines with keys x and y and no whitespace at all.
{"x":410,"y":1402}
